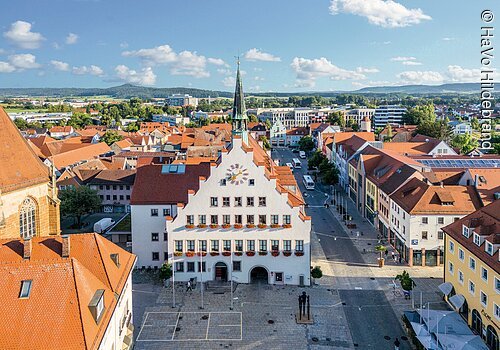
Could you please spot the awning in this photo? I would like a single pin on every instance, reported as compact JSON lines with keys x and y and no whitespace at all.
{"x":446,"y":287}
{"x":457,"y":301}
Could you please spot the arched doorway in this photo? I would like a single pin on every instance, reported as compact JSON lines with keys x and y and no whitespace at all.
{"x":464,"y":311}
{"x":477,"y":322}
{"x":491,"y":338}
{"x":259,"y":274}
{"x":220,"y":271}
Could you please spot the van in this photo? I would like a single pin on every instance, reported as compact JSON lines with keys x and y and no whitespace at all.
{"x":302,"y":154}
{"x":101,"y":225}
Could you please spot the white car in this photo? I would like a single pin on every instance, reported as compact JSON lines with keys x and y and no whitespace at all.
{"x":302,"y":154}
{"x":289,"y":165}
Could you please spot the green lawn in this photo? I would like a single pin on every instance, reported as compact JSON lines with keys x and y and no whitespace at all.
{"x":124,"y":226}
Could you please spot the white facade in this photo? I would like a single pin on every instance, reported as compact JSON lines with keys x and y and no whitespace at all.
{"x":388,"y":114}
{"x":291,"y":232}
{"x":442,"y":148}
{"x":277,"y":134}
{"x":358,"y":114}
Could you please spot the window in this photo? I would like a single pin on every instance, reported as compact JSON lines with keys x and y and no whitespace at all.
{"x":287,"y":244}
{"x":190,"y":266}
{"x":262,"y":201}
{"x":238,"y":219}
{"x":286,"y":220}
{"x":155,"y":256}
{"x":489,"y":248}
{"x":425,"y":220}
{"x":25,"y":289}
{"x":251,"y":182}
{"x":190,"y":219}
{"x":484,"y":299}
{"x":237,"y":266}
{"x":202,"y":267}
{"x":472,"y":264}
{"x":226,"y":219}
{"x":496,"y":310}
{"x":461,"y":254}
{"x":497,"y":285}
{"x":127,"y":197}
{"x":190,"y":245}
{"x":238,"y":245}
{"x":250,"y":245}
{"x":202,"y":219}
{"x":472,"y":287}
{"x":214,"y":219}
{"x":452,"y":247}
{"x":262,"y":219}
{"x":214,"y":244}
{"x":127,"y":188}
{"x":96,"y":305}
{"x":424,"y":234}
{"x":238,"y":201}
{"x":178,"y":246}
{"x":115,"y":187}
{"x":460,"y":277}
{"x":202,"y":245}
{"x":165,"y":237}
{"x":250,"y":219}
{"x":27,"y":218}
{"x":226,"y":245}
{"x":121,"y":197}
{"x":275,"y":244}
{"x":440,"y":220}
{"x":115,"y":198}
{"x":214,"y":202}
{"x":450,"y":267}
{"x":484,"y":274}
{"x":274,"y":219}
{"x":108,"y":187}
{"x":477,"y":240}
{"x":225,"y":202}
{"x":154,"y":237}
{"x":179,"y":266}
{"x":262,"y":245}
{"x":108,"y":197}
{"x":250,"y":201}
{"x":121,"y":187}
{"x":299,"y":245}
{"x":223,"y":182}
{"x":465,"y":231}
{"x":154,"y":212}
{"x":101,"y":187}
{"x":440,"y":235}
{"x":166,"y":212}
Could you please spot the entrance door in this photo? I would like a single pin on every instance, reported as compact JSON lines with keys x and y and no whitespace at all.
{"x":220,"y":271}
{"x":278,"y":277}
{"x":477,"y":323}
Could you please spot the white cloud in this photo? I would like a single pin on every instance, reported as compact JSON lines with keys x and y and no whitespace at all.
{"x":367,"y":70}
{"x":56,"y":46}
{"x":123,"y":45}
{"x":6,"y":67}
{"x":157,"y":55}
{"x":229,"y":81}
{"x":92,"y":70}
{"x":217,"y":61}
{"x":403,"y":58}
{"x":364,"y":84}
{"x":2,"y":51}
{"x":224,"y":71}
{"x":258,"y":55}
{"x":255,"y":88}
{"x":145,"y":77}
{"x":308,"y":70}
{"x":411,"y":63}
{"x":463,"y":75}
{"x":257,"y":78}
{"x":448,"y":39}
{"x":21,"y":35}
{"x":24,"y":61}
{"x":384,"y":13}
{"x":60,"y":65}
{"x":420,"y":77}
{"x":71,"y":39}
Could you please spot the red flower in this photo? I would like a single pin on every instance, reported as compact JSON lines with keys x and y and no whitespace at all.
{"x":250,"y":253}
{"x":299,"y":253}
{"x":226,"y":253}
{"x":214,"y":253}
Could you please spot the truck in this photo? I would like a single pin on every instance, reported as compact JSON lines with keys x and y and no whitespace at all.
{"x":101,"y":225}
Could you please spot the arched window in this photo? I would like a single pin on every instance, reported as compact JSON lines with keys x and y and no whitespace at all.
{"x":27,"y":218}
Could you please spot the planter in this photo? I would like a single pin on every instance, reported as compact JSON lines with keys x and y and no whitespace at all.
{"x":275,"y":253}
{"x":226,"y":253}
{"x":381,"y":262}
{"x":202,"y":226}
{"x":201,"y":253}
{"x":287,"y":253}
{"x":189,"y":254}
{"x":238,"y":226}
{"x":226,"y":226}
{"x":214,"y":253}
{"x":262,"y":253}
{"x":238,"y":253}
{"x":275,"y":226}
{"x":262,"y":226}
{"x":287,"y":226}
{"x":189,"y":226}
{"x":177,"y":253}
{"x":299,"y":253}
{"x":250,"y":253}
{"x":250,"y":226}
{"x":214,"y":226}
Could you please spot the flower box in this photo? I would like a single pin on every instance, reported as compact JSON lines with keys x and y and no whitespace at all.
{"x":189,"y":226}
{"x":299,"y":253}
{"x":262,"y":226}
{"x":238,"y":253}
{"x":250,"y":253}
{"x":250,"y":226}
{"x":238,"y":226}
{"x":201,"y":253}
{"x":275,"y":226}
{"x":287,"y":225}
{"x":189,"y":254}
{"x":287,"y":253}
{"x":226,"y":226}
{"x":177,"y":253}
{"x":226,"y":253}
{"x":202,"y":226}
{"x":262,"y":253}
{"x":275,"y":253}
{"x":214,"y":225}
{"x":214,"y":253}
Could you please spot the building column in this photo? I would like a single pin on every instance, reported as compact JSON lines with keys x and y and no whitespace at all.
{"x":423,"y":256}
{"x":438,"y":257}
{"x":410,"y":257}
{"x":389,"y":236}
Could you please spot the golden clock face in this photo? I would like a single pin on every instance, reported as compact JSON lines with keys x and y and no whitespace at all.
{"x":236,"y":174}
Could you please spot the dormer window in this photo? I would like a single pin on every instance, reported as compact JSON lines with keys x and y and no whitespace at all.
{"x":477,"y":239}
{"x":96,"y":305}
{"x":489,"y":248}
{"x":465,"y":231}
{"x":25,"y":289}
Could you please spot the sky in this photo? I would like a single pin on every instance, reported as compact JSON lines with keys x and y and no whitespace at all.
{"x":283,"y":45}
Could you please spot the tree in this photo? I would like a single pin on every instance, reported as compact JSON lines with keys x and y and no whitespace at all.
{"x":475,"y":124}
{"x":268,"y":124}
{"x":306,"y":144}
{"x":315,"y":160}
{"x":438,"y":129}
{"x":381,"y":249}
{"x":165,"y":271}
{"x":465,"y":143}
{"x":337,"y":118}
{"x":253,"y":118}
{"x":110,"y":137}
{"x":406,"y":281}
{"x":265,"y":143}
{"x":316,"y":272}
{"x":420,"y":114}
{"x":79,"y":201}
{"x":21,"y":123}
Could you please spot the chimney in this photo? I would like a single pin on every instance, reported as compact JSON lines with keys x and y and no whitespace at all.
{"x":441,"y":184}
{"x":65,"y":246}
{"x":27,"y":249}
{"x":476,"y":182}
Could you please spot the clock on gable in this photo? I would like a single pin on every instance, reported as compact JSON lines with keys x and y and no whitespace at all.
{"x":236,"y":174}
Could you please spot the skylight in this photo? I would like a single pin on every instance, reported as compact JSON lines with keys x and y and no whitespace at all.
{"x":25,"y":289}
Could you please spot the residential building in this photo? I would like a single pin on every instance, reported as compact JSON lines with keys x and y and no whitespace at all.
{"x":471,"y":269}
{"x":114,"y":187}
{"x":388,"y":114}
{"x":358,"y":115}
{"x":179,"y":100}
{"x":429,"y":146}
{"x":277,"y":134}
{"x":461,"y":128}
{"x":59,"y":132}
{"x":172,"y":120}
{"x":294,"y":135}
{"x":403,"y":133}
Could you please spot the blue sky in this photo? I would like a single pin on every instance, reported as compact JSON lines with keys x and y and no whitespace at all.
{"x":285,"y":45}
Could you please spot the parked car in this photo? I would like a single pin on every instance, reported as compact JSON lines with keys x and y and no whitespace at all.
{"x":101,"y":225}
{"x":302,"y":154}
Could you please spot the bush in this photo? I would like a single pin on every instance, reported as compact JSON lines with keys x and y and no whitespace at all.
{"x":165,"y":271}
{"x":316,"y":272}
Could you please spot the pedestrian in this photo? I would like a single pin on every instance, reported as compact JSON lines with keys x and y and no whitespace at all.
{"x":400,"y":259}
{"x":386,"y":253}
{"x":393,"y":256}
{"x":189,"y":288}
{"x":396,"y":344}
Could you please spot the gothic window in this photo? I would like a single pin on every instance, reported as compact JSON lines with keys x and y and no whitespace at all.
{"x":27,"y":218}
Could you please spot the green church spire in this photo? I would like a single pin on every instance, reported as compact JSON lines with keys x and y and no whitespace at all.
{"x":240,"y":118}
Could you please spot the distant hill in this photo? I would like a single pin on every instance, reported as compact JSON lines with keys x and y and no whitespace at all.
{"x":128,"y":91}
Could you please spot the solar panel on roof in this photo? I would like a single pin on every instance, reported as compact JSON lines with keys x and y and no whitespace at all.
{"x":461,"y":163}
